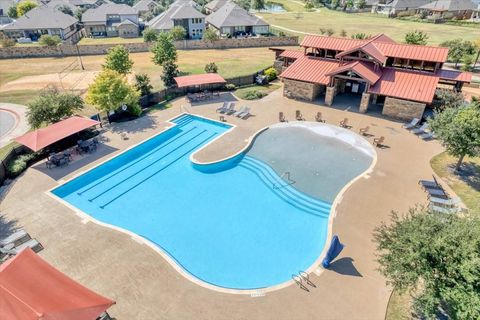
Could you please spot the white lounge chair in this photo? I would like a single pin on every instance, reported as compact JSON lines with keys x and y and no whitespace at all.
{"x":17,"y":237}
{"x":445,"y":202}
{"x":32,"y":243}
{"x":244,"y":114}
{"x":421,"y":129}
{"x":223,"y":107}
{"x":242,"y":110}
{"x":412,"y":123}
{"x":429,"y":184}
{"x":428,"y":135}
{"x":230,"y":108}
{"x":439,"y":193}
{"x":445,"y":210}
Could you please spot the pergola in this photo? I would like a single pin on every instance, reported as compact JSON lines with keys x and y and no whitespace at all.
{"x":44,"y":137}
{"x":32,"y":289}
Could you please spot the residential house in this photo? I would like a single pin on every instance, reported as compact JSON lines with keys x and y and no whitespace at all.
{"x":233,"y":20}
{"x":447,"y":9}
{"x":476,"y":14}
{"x":111,"y":20}
{"x":4,"y":6}
{"x":145,"y":6}
{"x":43,"y":20}
{"x":396,"y":79}
{"x":76,"y":4}
{"x":394,"y":7}
{"x":180,"y":13}
{"x":214,"y":5}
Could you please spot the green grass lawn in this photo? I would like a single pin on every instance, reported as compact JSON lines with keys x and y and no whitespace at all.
{"x":109,"y":40}
{"x":22,"y":97}
{"x":398,"y":307}
{"x":311,"y":22}
{"x":241,"y":93}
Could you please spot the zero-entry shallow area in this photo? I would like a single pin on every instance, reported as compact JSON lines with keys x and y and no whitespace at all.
{"x":247,"y":222}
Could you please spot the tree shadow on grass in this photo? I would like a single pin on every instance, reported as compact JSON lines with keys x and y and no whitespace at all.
{"x":345,"y":266}
{"x":470,"y":174}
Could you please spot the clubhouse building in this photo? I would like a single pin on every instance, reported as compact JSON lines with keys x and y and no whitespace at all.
{"x":398,"y":79}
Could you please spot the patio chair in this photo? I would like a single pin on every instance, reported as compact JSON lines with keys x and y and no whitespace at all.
{"x":318,"y":117}
{"x":242,"y":110}
{"x":32,"y":244}
{"x":445,"y":202}
{"x":364,"y":131}
{"x":412,"y":124}
{"x":421,"y":129}
{"x":428,"y":135}
{"x":223,"y":107}
{"x":378,"y":142}
{"x":231,"y":108}
{"x":281,"y":117}
{"x":444,"y":210}
{"x":299,"y":115}
{"x":245,"y":114}
{"x":344,"y":123}
{"x":438,"y":193}
{"x":16,"y":238}
{"x":429,"y":184}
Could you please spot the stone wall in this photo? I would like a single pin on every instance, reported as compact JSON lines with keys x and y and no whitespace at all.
{"x":402,"y":109}
{"x":98,"y":49}
{"x":302,"y":90}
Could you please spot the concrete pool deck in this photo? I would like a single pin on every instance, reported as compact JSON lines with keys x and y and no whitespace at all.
{"x":146,"y":286}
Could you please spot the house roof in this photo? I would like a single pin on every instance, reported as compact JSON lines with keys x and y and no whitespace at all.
{"x":405,"y":4}
{"x":180,"y":9}
{"x":378,"y":47}
{"x":293,"y":54}
{"x":450,"y":5}
{"x":454,"y":75}
{"x":42,"y":17}
{"x":125,"y":22}
{"x":369,"y":49}
{"x":405,"y":84}
{"x":310,"y":69}
{"x":215,"y":4}
{"x":363,"y":69}
{"x":144,"y":5}
{"x":232,"y":15}
{"x":100,"y":13}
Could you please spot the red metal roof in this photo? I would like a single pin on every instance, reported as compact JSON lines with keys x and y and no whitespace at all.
{"x":32,"y":289}
{"x":310,"y":69}
{"x":454,"y":75}
{"x":409,"y":85}
{"x":415,"y":52}
{"x":292,"y":54}
{"x":369,"y":49}
{"x":363,"y":69}
{"x":44,"y":137}
{"x":198,"y":79}
{"x":331,"y":43}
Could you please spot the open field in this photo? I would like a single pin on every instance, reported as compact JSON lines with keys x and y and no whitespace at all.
{"x":22,"y":78}
{"x":311,"y":22}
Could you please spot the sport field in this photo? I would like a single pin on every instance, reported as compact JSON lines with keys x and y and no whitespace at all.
{"x":311,"y":22}
{"x":230,"y":62}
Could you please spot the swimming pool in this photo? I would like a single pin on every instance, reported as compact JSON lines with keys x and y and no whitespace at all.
{"x":234,"y":224}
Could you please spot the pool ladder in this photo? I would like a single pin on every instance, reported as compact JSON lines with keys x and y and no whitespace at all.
{"x":300,"y":278}
{"x":290,"y":181}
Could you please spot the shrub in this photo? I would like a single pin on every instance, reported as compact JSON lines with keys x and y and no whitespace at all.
{"x":330,"y":32}
{"x":467,"y":63}
{"x":178,"y":33}
{"x":271,"y":74}
{"x":25,"y":6}
{"x":49,"y":41}
{"x":230,"y":86}
{"x":254,"y":95}
{"x":343,"y":33}
{"x":18,"y":165}
{"x":281,"y":34}
{"x":211,"y":68}
{"x":308,"y":5}
{"x":142,"y":83}
{"x":149,"y":35}
{"x":6,"y":42}
{"x":210,"y":35}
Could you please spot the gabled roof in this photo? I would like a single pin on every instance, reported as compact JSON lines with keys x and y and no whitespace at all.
{"x":215,"y":4}
{"x":126,"y":22}
{"x":180,"y":9}
{"x":310,"y":69}
{"x":405,"y":4}
{"x":293,"y":54}
{"x":450,"y":5}
{"x":42,"y":17}
{"x":330,"y":43}
{"x":100,"y":13}
{"x":232,"y":15}
{"x":411,"y":51}
{"x":405,"y":84}
{"x":367,"y":48}
{"x":363,"y":69}
{"x":144,"y":5}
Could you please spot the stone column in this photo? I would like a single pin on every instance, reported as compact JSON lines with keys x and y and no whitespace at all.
{"x":329,"y":94}
{"x":364,"y":102}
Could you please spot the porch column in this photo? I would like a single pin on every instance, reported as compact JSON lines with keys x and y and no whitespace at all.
{"x":364,"y":102}
{"x":329,"y":95}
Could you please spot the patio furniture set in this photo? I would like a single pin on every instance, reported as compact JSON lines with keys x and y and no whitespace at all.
{"x":202,"y":96}
{"x":423,"y":131}
{"x":16,"y":242}
{"x":228,"y":108}
{"x":63,"y":158}
{"x":439,"y":199}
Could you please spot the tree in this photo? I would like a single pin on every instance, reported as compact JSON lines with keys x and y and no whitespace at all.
{"x":360,"y":36}
{"x":210,"y":35}
{"x":361,"y":4}
{"x":258,"y":4}
{"x":416,"y":37}
{"x":459,"y":130}
{"x":66,"y":9}
{"x":211,"y":68}
{"x":467,"y":63}
{"x":245,"y":4}
{"x":24,"y":7}
{"x":6,"y":41}
{"x":178,"y":33}
{"x":445,"y":98}
{"x":110,"y":90}
{"x":343,"y":33}
{"x":52,"y":106}
{"x":477,"y":47}
{"x":49,"y":41}
{"x":118,"y":59}
{"x":149,"y":35}
{"x":458,"y":49}
{"x":142,"y":83}
{"x":170,"y":71}
{"x":330,"y":32}
{"x":349,"y":4}
{"x":12,"y":12}
{"x":436,"y":258}
{"x":79,"y":14}
{"x":164,"y":49}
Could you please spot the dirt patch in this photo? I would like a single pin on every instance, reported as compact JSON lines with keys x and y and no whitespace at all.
{"x":72,"y":81}
{"x":470,"y":92}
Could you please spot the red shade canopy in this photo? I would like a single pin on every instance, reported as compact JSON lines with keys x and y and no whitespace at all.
{"x":32,"y":289}
{"x":44,"y":137}
{"x":198,"y":79}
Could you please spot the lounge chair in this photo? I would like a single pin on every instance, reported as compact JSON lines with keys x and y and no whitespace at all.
{"x":318,"y":117}
{"x":230,"y":108}
{"x":378,"y":141}
{"x":281,"y":117}
{"x":299,"y":115}
{"x":430,"y":184}
{"x":32,"y":244}
{"x":444,"y":210}
{"x":244,"y":114}
{"x":428,"y":135}
{"x":412,"y":123}
{"x":242,"y":110}
{"x":438,"y":193}
{"x":421,"y":129}
{"x":16,"y":238}
{"x":223,"y":107}
{"x":344,"y":123}
{"x":445,"y":202}
{"x":364,"y":131}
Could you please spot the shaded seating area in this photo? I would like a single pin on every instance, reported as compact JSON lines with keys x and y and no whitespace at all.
{"x":31,"y":288}
{"x":205,"y":83}
{"x":15,"y":243}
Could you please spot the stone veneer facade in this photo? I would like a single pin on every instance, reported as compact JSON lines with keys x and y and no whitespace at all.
{"x":302,"y":90}
{"x":403,"y":109}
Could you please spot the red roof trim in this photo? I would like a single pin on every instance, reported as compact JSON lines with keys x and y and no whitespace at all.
{"x":198,"y":79}
{"x":292,"y":54}
{"x":362,"y":69}
{"x":455,"y":75}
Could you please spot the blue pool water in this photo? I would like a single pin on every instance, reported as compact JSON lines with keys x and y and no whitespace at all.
{"x":234,"y":224}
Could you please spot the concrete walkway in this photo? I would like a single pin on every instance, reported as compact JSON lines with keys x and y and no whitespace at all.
{"x":20,"y":125}
{"x":145,"y":286}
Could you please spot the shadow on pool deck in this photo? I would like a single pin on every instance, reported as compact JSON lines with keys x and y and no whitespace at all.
{"x":345,"y":266}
